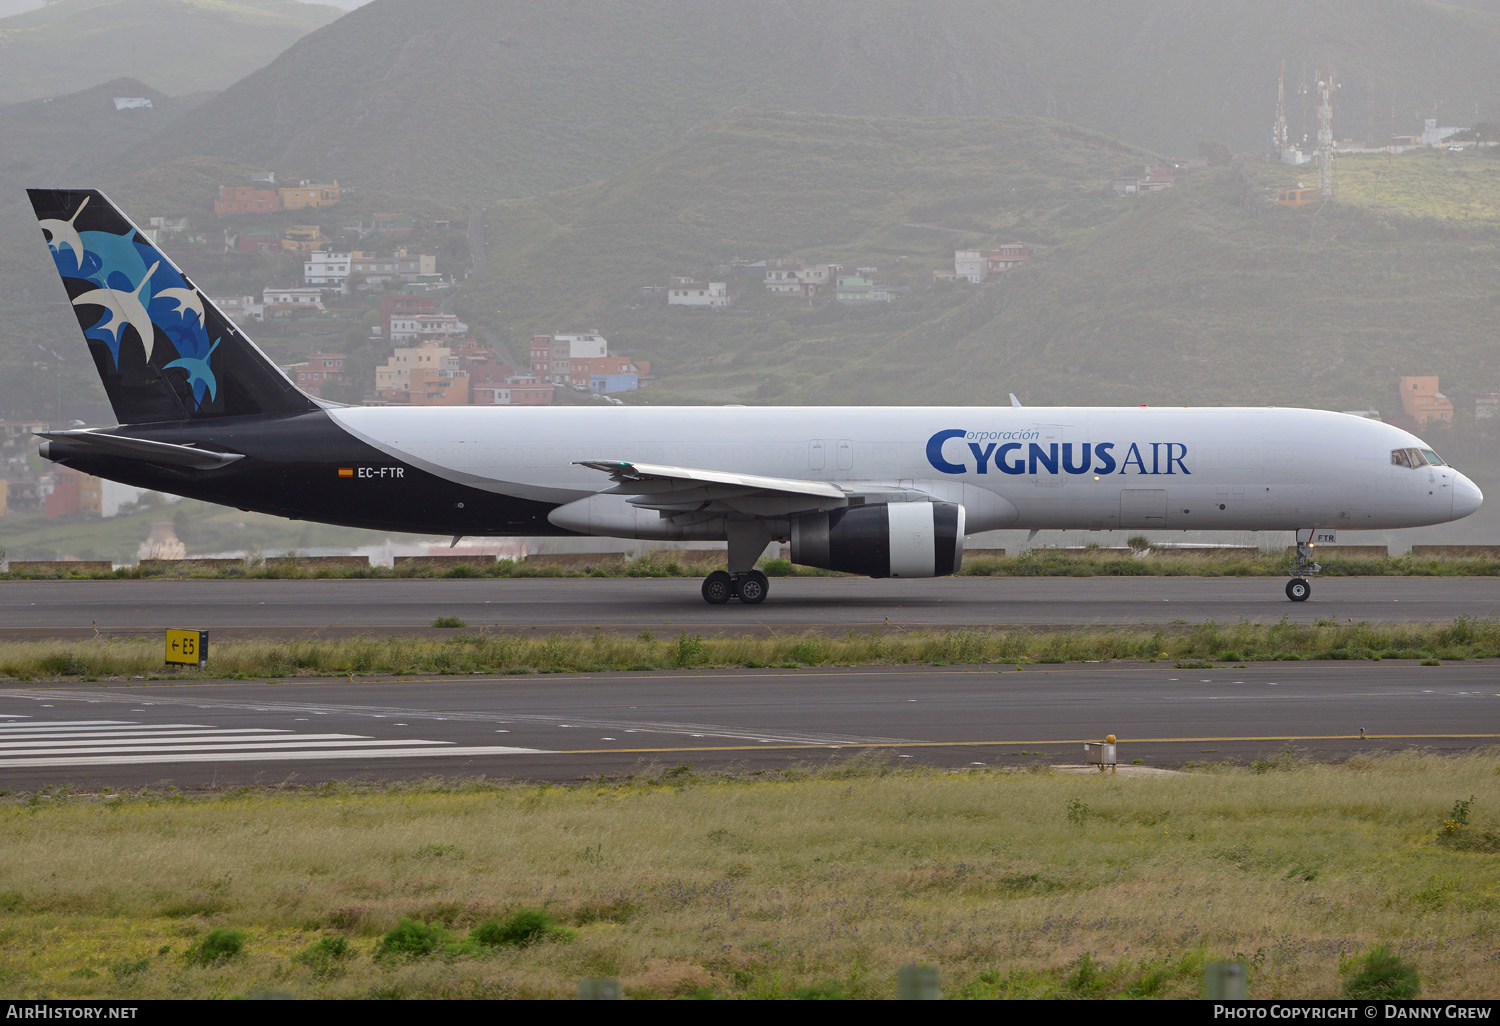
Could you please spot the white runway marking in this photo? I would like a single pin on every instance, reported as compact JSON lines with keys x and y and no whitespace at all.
{"x":141,"y":760}
{"x":168,"y":731}
{"x":57,"y":743}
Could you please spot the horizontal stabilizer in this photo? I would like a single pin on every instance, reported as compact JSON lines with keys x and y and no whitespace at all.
{"x":164,"y":453}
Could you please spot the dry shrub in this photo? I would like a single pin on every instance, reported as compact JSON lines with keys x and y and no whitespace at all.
{"x":664,"y":978}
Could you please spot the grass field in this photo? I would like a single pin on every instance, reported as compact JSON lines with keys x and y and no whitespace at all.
{"x":1012,"y":884}
{"x":1454,"y":189}
{"x":480,"y":651}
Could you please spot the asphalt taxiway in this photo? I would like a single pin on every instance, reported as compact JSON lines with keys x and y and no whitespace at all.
{"x":571,"y":727}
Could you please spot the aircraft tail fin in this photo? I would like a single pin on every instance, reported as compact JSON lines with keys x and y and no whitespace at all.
{"x":163,"y":350}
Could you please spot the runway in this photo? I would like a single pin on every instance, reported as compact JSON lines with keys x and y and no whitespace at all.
{"x":335,"y":608}
{"x":105,"y":736}
{"x":558,"y":727}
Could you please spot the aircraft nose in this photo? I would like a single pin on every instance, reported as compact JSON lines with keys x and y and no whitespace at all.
{"x":1466,"y":496}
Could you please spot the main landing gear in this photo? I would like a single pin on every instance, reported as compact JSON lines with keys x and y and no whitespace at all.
{"x":749,"y":587}
{"x":747,"y":540}
{"x":1303,"y":567}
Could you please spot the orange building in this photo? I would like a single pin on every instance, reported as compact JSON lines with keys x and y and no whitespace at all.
{"x":72,"y":493}
{"x":1421,"y":401}
{"x":245,"y":199}
{"x":439,"y":387}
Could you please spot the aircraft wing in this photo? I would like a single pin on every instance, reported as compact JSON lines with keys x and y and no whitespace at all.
{"x":675,"y":490}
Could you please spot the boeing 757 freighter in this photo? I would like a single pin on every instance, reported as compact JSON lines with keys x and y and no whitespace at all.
{"x":882,"y":492}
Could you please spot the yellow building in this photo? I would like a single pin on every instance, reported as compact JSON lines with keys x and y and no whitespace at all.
{"x":303,"y":238}
{"x":299,"y":197}
{"x":91,"y":495}
{"x":4,"y":496}
{"x":393,"y":379}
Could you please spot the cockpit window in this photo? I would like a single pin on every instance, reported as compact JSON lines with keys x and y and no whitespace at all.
{"x":1415,"y":458}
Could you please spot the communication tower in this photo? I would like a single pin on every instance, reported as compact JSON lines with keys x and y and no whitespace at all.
{"x":1279,"y":141}
{"x":1325,"y":133}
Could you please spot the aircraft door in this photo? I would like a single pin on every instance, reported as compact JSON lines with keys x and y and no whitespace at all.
{"x":1143,"y":507}
{"x":846,"y":454}
{"x":815,"y":456}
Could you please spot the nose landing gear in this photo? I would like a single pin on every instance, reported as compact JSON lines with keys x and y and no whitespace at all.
{"x":1303,"y":567}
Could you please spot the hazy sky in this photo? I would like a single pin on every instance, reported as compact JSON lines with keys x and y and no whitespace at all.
{"x":9,"y":7}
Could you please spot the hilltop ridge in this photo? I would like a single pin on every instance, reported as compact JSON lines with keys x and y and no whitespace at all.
{"x":175,"y":46}
{"x":508,"y":99}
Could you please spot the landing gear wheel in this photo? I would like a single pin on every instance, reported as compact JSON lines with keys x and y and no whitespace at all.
{"x":752,"y":588}
{"x":718,"y":588}
{"x":1297,"y":589}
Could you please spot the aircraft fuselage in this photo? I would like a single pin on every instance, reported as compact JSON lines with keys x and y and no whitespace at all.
{"x":505,"y":470}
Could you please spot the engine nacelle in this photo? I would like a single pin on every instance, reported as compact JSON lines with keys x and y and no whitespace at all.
{"x":898,"y":539}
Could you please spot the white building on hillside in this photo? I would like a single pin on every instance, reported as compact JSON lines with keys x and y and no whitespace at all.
{"x":970,"y":264}
{"x":789,"y":277}
{"x":400,"y":266}
{"x":286,"y":300}
{"x":1434,"y":133}
{"x":405,"y":328}
{"x":586,"y":345}
{"x":712,"y":294}
{"x":324,"y":268}
{"x":241,"y":310}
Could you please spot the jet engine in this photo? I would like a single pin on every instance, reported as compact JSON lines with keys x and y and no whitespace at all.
{"x":898,"y":539}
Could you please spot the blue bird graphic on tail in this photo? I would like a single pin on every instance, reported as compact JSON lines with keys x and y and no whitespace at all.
{"x":163,"y":350}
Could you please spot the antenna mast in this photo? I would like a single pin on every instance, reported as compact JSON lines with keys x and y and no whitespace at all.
{"x":1325,"y":134}
{"x":1279,"y":142}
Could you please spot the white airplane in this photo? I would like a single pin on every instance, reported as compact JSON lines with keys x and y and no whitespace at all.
{"x":883,"y":492}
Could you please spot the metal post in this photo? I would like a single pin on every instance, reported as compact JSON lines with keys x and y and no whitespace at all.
{"x":917,"y":983}
{"x":1224,"y":981}
{"x":604,"y":988}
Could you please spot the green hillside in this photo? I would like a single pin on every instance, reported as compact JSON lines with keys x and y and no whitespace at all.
{"x":60,"y":67}
{"x":60,"y":141}
{"x":477,"y":99}
{"x":177,"y":46}
{"x":898,"y":193}
{"x":1212,"y":293}
{"x":64,"y":137}
{"x":1206,"y":292}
